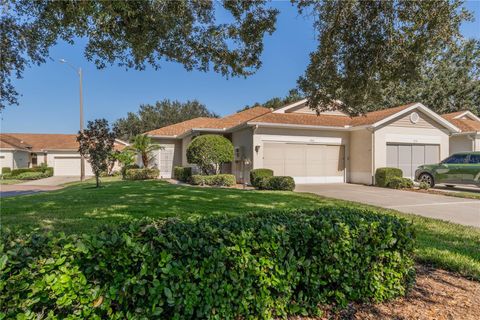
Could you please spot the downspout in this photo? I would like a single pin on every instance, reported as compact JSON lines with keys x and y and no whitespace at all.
{"x":372,"y":131}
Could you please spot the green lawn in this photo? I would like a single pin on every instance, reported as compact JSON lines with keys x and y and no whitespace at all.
{"x":80,"y":208}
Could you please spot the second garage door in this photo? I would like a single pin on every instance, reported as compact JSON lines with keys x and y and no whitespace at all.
{"x":306,"y":163}
{"x":70,"y":166}
{"x":409,"y":157}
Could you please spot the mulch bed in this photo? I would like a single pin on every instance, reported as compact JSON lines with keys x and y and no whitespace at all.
{"x":437,"y":295}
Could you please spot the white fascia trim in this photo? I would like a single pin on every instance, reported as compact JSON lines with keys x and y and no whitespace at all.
{"x":162,"y":136}
{"x":297,"y":126}
{"x":466,"y":133}
{"x":122,"y":142}
{"x":423,"y":108}
{"x":289,"y":106}
{"x":468,"y":114}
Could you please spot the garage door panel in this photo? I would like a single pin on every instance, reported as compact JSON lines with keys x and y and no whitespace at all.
{"x":70,"y":166}
{"x":408,"y":157}
{"x":306,"y":163}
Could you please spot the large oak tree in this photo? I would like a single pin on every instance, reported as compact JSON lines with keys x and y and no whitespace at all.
{"x":225,"y":36}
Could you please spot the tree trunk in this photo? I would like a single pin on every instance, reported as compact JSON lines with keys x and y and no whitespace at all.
{"x":97,"y":178}
{"x":145,"y":159}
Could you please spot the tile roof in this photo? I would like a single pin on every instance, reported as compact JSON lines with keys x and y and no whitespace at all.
{"x":40,"y":141}
{"x":264,"y":115}
{"x":304,"y":119}
{"x":466,"y":125}
{"x":9,"y":142}
{"x":210,"y":123}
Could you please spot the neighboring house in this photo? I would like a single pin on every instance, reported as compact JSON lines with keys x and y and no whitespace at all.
{"x":469,"y":137}
{"x":329,"y":147}
{"x":60,"y":151}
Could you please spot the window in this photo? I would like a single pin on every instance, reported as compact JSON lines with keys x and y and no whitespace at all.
{"x":474,"y":158}
{"x":456,"y":159}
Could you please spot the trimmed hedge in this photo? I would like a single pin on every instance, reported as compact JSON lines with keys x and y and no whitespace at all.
{"x":256,"y":175}
{"x":6,"y":170}
{"x":42,"y":169}
{"x":384,"y":175}
{"x":31,"y":176}
{"x":219,"y":180}
{"x":182,"y":173}
{"x":123,"y":170}
{"x":266,"y":265}
{"x":142,"y":174}
{"x":400,"y":183}
{"x":284,"y":183}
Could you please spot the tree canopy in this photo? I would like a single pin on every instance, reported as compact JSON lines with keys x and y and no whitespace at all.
{"x":96,"y":144}
{"x":209,"y":152}
{"x":163,"y":113}
{"x":278,"y":102}
{"x":363,"y":46}
{"x":134,"y":34}
{"x":448,"y":82}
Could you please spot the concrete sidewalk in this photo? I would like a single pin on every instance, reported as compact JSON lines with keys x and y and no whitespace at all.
{"x":453,"y":209}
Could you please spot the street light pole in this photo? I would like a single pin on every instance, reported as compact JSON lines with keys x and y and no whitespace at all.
{"x":80,"y":76}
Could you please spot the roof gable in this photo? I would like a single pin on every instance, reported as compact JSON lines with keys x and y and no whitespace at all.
{"x":465,"y":120}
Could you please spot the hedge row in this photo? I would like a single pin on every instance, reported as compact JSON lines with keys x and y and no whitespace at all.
{"x":43,"y":169}
{"x":256,"y":176}
{"x":182,"y":173}
{"x":265,"y":265}
{"x":219,"y":180}
{"x":142,"y":174}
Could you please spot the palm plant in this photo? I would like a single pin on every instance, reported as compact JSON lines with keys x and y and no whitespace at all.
{"x":142,"y":145}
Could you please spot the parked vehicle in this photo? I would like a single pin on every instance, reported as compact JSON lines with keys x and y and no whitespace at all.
{"x":459,"y":168}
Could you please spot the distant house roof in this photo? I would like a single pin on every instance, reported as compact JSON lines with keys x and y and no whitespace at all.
{"x":38,"y":142}
{"x":210,"y":123}
{"x":464,"y":120}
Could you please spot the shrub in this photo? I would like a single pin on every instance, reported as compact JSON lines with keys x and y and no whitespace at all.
{"x":182,"y":173}
{"x":31,"y":176}
{"x":124,"y":169}
{"x":142,"y":174}
{"x":219,"y":180}
{"x":209,"y":152}
{"x":265,"y":265}
{"x":6,"y":170}
{"x":400,"y":183}
{"x":48,"y":171}
{"x":383,"y":175}
{"x":424,"y":185}
{"x":257,"y":174}
{"x":6,"y":176}
{"x":279,"y":183}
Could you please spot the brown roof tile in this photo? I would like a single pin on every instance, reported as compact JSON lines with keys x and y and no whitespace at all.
{"x":42,"y":141}
{"x":466,"y":125}
{"x":375,"y":116}
{"x":210,"y":123}
{"x":9,"y":142}
{"x":304,"y":119}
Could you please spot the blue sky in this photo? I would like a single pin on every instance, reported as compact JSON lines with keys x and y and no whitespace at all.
{"x":49,"y":102}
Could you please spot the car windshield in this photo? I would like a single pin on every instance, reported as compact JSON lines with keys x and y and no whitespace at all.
{"x":474,"y":159}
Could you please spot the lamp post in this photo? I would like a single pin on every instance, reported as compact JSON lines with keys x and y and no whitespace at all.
{"x":79,"y":73}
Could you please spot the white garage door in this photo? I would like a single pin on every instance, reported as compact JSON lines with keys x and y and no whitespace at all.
{"x":70,"y":166}
{"x":306,"y":163}
{"x":409,"y":157}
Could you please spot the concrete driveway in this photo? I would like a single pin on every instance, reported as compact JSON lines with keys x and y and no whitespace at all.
{"x":35,"y":186}
{"x":457,"y":210}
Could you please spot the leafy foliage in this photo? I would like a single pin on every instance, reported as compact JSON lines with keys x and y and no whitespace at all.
{"x":365,"y":45}
{"x":400,"y":183}
{"x":6,"y":170}
{"x":96,"y":144}
{"x":163,"y":113}
{"x":384,"y":175}
{"x":219,"y":180}
{"x":257,"y":174}
{"x":448,"y":82}
{"x":32,"y":175}
{"x":142,"y":144}
{"x":133,"y":34}
{"x":274,"y":103}
{"x":142,"y":174}
{"x":126,"y":158}
{"x":266,"y":265}
{"x":284,"y":183}
{"x":182,"y":173}
{"x":209,"y":152}
{"x":48,"y":171}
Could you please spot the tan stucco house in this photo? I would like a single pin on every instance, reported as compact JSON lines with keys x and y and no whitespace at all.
{"x":469,"y":137}
{"x":325,"y":148}
{"x":60,"y":151}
